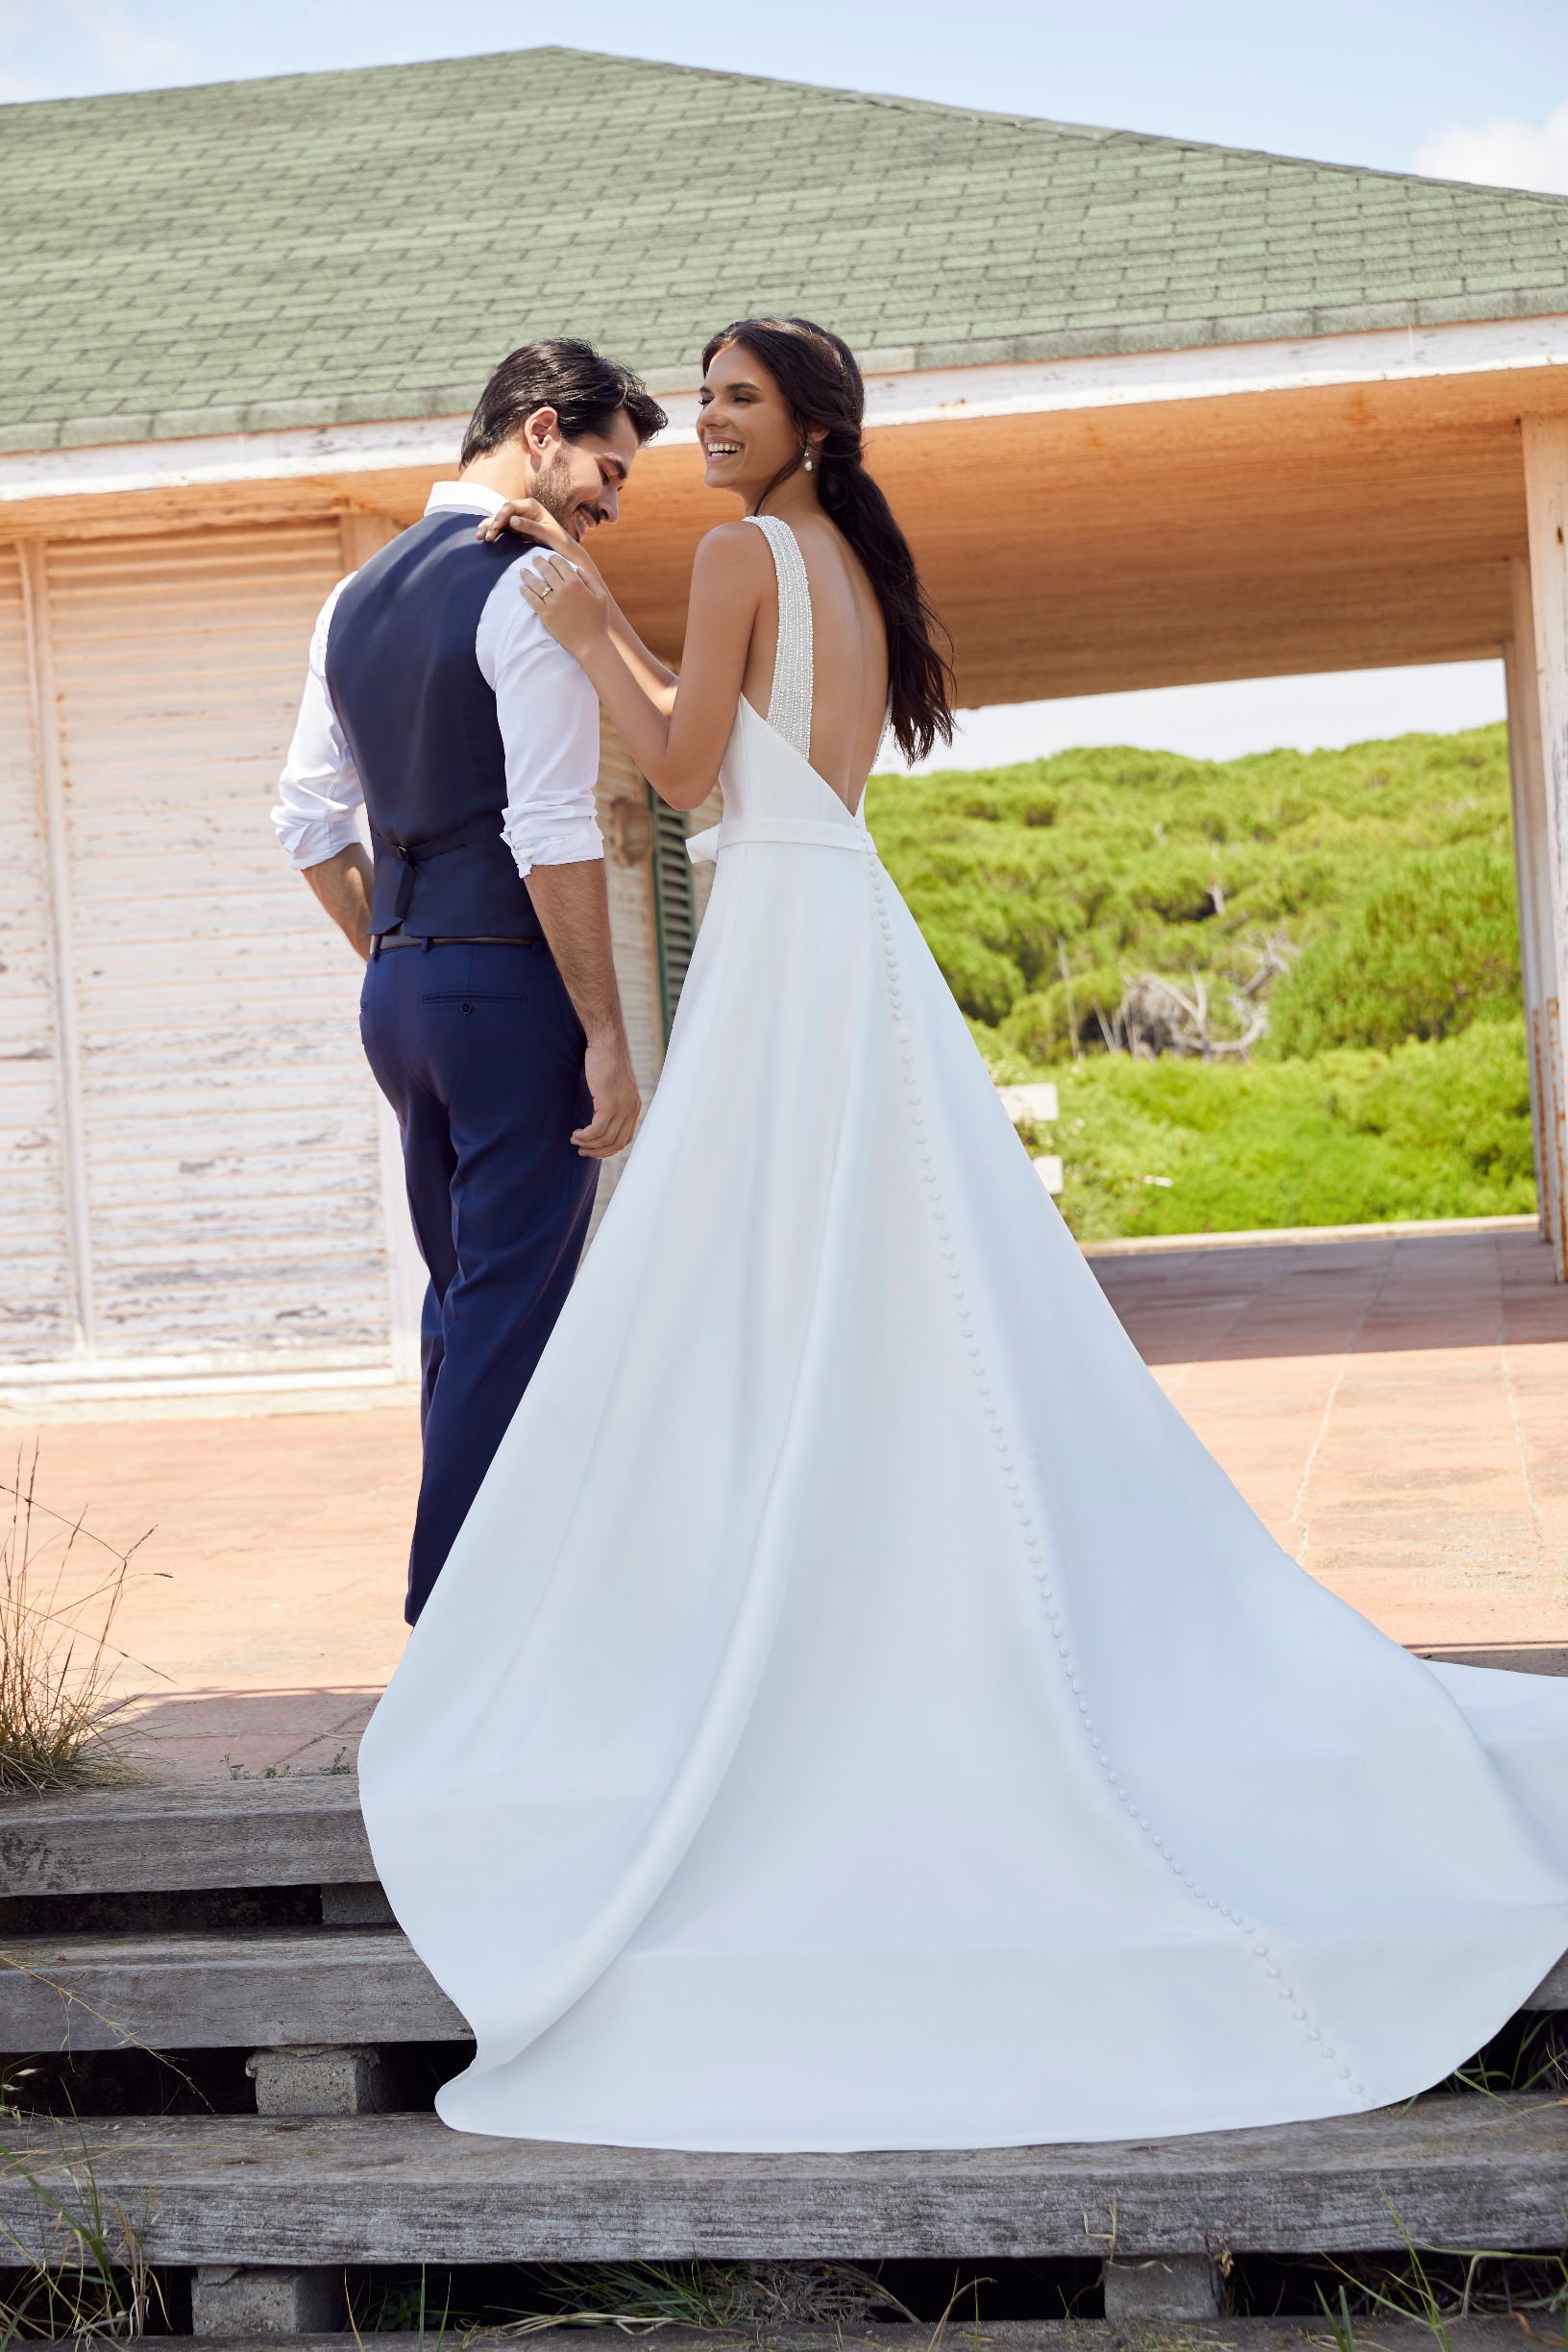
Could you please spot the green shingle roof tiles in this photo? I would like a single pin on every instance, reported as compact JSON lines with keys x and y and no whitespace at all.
{"x":334,"y":247}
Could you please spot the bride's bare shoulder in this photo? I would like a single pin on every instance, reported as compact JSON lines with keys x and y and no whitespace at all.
{"x":735,"y":551}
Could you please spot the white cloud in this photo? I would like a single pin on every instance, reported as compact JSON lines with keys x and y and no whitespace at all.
{"x":1502,"y":153}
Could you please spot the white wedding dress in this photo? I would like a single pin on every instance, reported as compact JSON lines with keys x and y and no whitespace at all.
{"x":857,"y":1712}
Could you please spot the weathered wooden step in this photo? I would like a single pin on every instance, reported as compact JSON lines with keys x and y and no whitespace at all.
{"x":1552,"y":1993}
{"x":221,"y":1833}
{"x":1487,"y":2334}
{"x":266,"y":1986}
{"x":261,"y":1986}
{"x":1450,"y":2171}
{"x":246,"y":1833}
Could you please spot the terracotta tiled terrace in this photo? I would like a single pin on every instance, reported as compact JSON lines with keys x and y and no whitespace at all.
{"x":1393,"y":1407}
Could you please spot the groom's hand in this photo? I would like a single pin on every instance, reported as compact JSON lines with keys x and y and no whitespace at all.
{"x":572,"y":903}
{"x":612,"y":1083}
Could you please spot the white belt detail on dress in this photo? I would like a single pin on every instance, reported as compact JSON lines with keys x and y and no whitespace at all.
{"x":818,"y":833}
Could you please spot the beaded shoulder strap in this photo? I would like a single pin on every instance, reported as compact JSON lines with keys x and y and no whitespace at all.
{"x":789,"y":703}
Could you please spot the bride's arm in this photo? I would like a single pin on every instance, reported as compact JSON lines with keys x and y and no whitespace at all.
{"x":656,"y":681}
{"x":537,"y":523}
{"x":678,"y":749}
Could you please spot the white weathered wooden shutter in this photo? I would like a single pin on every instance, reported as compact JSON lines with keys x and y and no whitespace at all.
{"x":230,"y":1142}
{"x":37,"y":1317}
{"x":640,"y":967}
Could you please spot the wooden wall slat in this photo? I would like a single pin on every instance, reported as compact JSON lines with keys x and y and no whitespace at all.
{"x":232,"y":1176}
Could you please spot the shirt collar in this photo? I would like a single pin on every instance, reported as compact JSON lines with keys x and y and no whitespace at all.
{"x":463,"y":498}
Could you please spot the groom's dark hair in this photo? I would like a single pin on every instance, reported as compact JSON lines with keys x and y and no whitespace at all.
{"x":586,"y":391}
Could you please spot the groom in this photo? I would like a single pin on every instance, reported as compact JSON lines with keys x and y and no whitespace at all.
{"x":490,"y":1015}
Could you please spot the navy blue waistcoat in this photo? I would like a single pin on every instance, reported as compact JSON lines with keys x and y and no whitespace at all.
{"x":421,"y":723}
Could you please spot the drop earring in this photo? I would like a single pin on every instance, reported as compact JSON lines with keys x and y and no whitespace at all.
{"x":805,"y":451}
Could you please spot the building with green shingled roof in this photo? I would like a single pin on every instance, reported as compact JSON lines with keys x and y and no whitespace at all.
{"x":1151,"y":412}
{"x":335,"y":247}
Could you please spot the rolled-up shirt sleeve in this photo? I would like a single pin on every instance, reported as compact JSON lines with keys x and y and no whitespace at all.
{"x":319,"y":792}
{"x":549,"y":718}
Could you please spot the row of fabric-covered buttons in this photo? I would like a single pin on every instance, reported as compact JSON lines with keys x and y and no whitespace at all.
{"x":1034,"y":1548}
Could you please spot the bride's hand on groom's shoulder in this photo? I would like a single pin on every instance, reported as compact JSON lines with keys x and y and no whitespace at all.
{"x":574,"y":607}
{"x":526,"y":517}
{"x":531,"y":521}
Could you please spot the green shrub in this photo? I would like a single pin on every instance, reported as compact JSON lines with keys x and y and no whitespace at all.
{"x":1116,"y":862}
{"x":1354,"y":1136}
{"x":1418,"y":956}
{"x":986,"y":981}
{"x":1393,"y":1082}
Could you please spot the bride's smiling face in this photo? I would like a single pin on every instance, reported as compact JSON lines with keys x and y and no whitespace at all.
{"x":747,"y":432}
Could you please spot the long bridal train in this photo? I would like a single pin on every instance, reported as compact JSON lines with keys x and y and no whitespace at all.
{"x":857,"y":1712}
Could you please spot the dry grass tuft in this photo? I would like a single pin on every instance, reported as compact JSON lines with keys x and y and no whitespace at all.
{"x":58,"y":1664}
{"x":638,"y":2297}
{"x":89,"y":2278}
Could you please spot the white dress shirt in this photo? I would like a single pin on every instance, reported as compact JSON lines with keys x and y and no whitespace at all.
{"x":547,"y":712}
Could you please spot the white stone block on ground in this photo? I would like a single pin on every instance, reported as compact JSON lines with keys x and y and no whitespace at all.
{"x":1037,"y":1102}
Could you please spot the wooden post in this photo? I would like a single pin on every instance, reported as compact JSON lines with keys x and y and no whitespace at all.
{"x":361,"y":534}
{"x":1526,"y":860}
{"x":1537,"y":928}
{"x":46,"y":735}
{"x":1546,"y":503}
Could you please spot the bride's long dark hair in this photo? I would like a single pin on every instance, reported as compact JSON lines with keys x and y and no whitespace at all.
{"x":822,"y":390}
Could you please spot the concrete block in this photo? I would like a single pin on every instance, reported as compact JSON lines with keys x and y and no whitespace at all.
{"x":319,"y":2080}
{"x":242,"y":2299}
{"x":355,"y":1906}
{"x":1172,"y":2287}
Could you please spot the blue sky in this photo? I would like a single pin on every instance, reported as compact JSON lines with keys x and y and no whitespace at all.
{"x":1477,"y":89}
{"x":1353,"y":81}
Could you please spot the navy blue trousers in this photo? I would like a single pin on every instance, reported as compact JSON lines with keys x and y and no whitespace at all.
{"x":479,"y":1053}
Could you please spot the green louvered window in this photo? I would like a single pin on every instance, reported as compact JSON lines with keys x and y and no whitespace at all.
{"x":675,"y":904}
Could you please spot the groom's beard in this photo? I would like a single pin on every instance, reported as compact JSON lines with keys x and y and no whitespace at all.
{"x":554,"y":492}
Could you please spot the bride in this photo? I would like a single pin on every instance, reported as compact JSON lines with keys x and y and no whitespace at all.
{"x":857,"y":1713}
